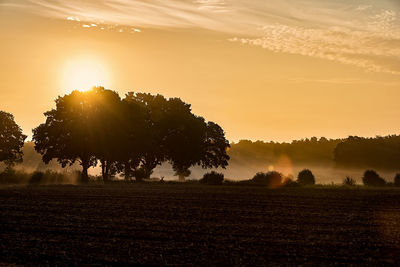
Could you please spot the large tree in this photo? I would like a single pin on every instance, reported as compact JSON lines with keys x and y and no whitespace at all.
{"x":75,"y":128}
{"x":132,"y":135}
{"x":11,"y":140}
{"x":146,"y":121}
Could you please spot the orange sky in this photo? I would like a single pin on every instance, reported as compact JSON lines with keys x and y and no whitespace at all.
{"x":287,"y":72}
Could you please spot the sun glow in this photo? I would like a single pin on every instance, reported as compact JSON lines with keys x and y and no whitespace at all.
{"x":83,"y":74}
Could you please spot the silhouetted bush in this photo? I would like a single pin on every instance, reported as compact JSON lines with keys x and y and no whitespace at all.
{"x":288,"y":182}
{"x":306,"y":177}
{"x":371,"y":178}
{"x":271,"y":179}
{"x":212,"y":178}
{"x":397,"y":180}
{"x":349,"y":181}
{"x":36,"y":178}
{"x":10,"y":176}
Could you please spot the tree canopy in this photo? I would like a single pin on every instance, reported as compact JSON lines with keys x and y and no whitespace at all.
{"x":11,"y":140}
{"x":130,"y":136}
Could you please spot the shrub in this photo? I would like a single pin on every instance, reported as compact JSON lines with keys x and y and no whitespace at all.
{"x":213,"y":178}
{"x":36,"y":178}
{"x":397,"y":180}
{"x":288,"y":182}
{"x":371,"y":178}
{"x":10,"y":176}
{"x":306,"y":177}
{"x":349,"y":181}
{"x":271,"y":179}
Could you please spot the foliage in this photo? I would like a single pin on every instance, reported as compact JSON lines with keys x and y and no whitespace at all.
{"x":348,"y":181}
{"x":306,"y":177}
{"x":212,"y":178}
{"x":372,"y":178}
{"x":271,"y":179}
{"x":11,"y":140}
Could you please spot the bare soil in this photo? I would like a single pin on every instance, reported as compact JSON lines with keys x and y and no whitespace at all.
{"x":190,"y":224}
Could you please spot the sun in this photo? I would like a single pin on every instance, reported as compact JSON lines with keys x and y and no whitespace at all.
{"x":84,"y":73}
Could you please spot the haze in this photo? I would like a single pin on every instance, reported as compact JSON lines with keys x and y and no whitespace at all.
{"x":268,"y":70}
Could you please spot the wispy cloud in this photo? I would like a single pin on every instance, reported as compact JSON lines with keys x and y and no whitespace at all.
{"x":373,"y":46}
{"x":363,"y":33}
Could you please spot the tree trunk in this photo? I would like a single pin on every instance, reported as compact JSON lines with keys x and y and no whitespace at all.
{"x":85,"y":166}
{"x":127,"y":172}
{"x":181,"y":178}
{"x":104,"y":170}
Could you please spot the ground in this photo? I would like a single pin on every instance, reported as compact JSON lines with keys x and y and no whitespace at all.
{"x":190,"y":224}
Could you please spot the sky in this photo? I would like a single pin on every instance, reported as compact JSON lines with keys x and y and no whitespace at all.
{"x":263,"y":70}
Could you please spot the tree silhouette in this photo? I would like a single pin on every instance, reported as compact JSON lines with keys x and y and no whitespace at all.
{"x":132,"y":135}
{"x":191,"y":141}
{"x":11,"y":140}
{"x":107,"y":131}
{"x":146,"y":146}
{"x":69,"y":133}
{"x":135,"y":135}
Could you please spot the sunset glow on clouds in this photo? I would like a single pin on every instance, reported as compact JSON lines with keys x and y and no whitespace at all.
{"x":360,"y":33}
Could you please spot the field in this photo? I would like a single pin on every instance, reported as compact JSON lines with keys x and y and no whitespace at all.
{"x":190,"y":224}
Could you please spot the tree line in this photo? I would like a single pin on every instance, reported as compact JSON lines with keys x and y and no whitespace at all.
{"x":352,"y":152}
{"x":130,"y":136}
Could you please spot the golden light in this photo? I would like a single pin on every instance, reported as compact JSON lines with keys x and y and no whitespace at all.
{"x":82,"y":74}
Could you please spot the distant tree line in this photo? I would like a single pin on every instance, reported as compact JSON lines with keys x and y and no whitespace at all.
{"x":379,"y":152}
{"x":310,"y":150}
{"x":130,"y":136}
{"x":353,"y":152}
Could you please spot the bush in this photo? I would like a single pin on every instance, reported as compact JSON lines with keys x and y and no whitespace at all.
{"x":36,"y":178}
{"x":397,"y":180}
{"x":213,"y":178}
{"x":271,"y":179}
{"x":288,"y":182}
{"x":349,"y":181}
{"x":306,"y":177}
{"x":10,"y":176}
{"x":371,"y":178}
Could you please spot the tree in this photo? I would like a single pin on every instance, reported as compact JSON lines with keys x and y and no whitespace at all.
{"x":184,"y":137}
{"x":191,"y":141}
{"x":70,"y":131}
{"x":306,"y":177}
{"x":147,"y":130}
{"x":172,"y":132}
{"x":11,"y":140}
{"x":107,"y":128}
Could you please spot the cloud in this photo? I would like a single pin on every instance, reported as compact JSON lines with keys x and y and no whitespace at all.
{"x":361,"y":33}
{"x":372,"y":44}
